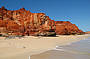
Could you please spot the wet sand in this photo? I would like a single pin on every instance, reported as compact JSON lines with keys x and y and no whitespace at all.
{"x":54,"y":54}
{"x":76,"y":50}
{"x":21,"y":48}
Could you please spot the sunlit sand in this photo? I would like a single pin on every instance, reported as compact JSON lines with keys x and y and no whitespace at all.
{"x":22,"y":48}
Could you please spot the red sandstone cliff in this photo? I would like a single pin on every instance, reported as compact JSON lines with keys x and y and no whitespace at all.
{"x":67,"y":28}
{"x":23,"y":22}
{"x":88,"y":32}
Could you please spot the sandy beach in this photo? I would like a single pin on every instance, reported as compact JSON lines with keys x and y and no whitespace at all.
{"x":21,"y":48}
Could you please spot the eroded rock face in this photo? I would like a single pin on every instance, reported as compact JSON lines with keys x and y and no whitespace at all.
{"x":67,"y":28}
{"x":23,"y":22}
{"x":88,"y":32}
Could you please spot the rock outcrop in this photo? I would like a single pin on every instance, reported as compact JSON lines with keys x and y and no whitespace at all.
{"x":67,"y":28}
{"x":88,"y":32}
{"x":23,"y":22}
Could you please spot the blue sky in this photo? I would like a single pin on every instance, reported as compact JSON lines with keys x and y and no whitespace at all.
{"x":75,"y":11}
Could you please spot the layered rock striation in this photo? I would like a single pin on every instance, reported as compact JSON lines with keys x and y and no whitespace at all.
{"x":23,"y":22}
{"x":67,"y":28}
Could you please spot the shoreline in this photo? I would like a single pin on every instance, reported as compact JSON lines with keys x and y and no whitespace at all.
{"x":24,"y":47}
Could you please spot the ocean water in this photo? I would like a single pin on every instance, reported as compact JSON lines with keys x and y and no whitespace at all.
{"x":76,"y":50}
